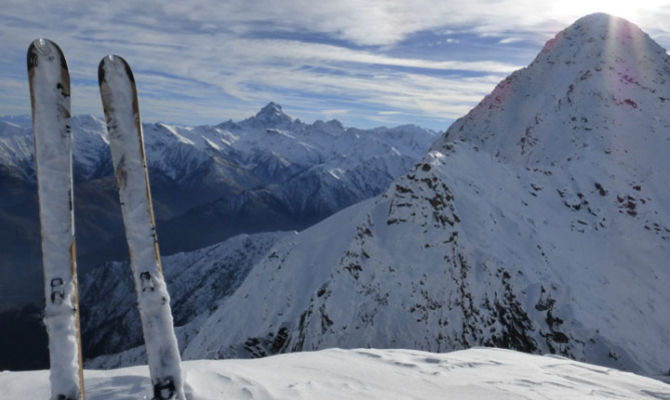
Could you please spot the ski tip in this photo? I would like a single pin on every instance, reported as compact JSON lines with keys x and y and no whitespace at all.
{"x":44,"y":49}
{"x":116,"y":63}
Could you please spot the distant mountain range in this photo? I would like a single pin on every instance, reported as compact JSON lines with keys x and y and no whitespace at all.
{"x":538,"y":222}
{"x":266,"y":173}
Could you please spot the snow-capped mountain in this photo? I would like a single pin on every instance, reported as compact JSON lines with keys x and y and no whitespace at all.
{"x":337,"y":374}
{"x":539,"y":222}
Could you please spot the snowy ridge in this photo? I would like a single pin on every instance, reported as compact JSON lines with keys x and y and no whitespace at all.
{"x":369,"y":374}
{"x":16,"y":150}
{"x":259,"y":144}
{"x":202,"y":277}
{"x":90,"y":148}
{"x":538,"y":223}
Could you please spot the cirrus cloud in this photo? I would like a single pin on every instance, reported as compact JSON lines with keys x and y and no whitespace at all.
{"x":364,"y":62}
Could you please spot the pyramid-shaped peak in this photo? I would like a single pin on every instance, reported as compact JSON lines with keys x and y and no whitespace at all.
{"x":272,"y":109}
{"x":272,"y":106}
{"x":270,"y":115}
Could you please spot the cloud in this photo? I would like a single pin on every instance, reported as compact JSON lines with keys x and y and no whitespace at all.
{"x":202,"y":61}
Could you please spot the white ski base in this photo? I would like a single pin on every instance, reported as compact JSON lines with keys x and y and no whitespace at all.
{"x":50,"y":94}
{"x":119,"y":95}
{"x":479,"y":373}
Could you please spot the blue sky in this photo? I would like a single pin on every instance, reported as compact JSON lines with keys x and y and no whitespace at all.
{"x":365,"y":63}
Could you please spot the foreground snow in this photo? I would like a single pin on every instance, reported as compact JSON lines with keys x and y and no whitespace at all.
{"x":480,"y":373}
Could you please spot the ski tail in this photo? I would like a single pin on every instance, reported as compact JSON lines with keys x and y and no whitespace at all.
{"x":119,"y":99}
{"x":50,"y":102}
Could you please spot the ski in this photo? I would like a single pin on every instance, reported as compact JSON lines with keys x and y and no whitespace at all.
{"x":119,"y":100}
{"x":50,"y":100}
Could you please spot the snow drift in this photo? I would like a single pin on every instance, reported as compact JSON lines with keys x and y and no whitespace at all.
{"x":368,"y":374}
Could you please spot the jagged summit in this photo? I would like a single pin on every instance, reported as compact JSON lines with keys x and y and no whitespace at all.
{"x":272,"y":114}
{"x":271,"y":108}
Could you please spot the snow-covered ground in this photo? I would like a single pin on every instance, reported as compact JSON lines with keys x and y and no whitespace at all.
{"x":479,"y":373}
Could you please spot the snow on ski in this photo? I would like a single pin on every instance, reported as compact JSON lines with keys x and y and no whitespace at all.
{"x":50,"y":100}
{"x":119,"y":98}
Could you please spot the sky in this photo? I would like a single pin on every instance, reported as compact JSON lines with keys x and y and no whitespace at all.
{"x":366,"y":63}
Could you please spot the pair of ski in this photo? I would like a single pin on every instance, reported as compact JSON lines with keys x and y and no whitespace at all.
{"x":50,"y":99}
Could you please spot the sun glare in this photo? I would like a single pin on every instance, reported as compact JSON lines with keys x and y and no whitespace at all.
{"x":631,"y":10}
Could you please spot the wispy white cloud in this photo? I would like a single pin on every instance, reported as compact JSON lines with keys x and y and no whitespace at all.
{"x":206,"y":60}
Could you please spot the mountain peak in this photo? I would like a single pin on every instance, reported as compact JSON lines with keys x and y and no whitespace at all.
{"x":581,"y":93}
{"x":596,"y":19}
{"x":271,"y":108}
{"x":598,"y":34}
{"x":272,"y":114}
{"x":602,"y":23}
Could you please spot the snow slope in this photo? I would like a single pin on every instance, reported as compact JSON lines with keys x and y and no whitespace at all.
{"x":368,"y":374}
{"x":539,"y":222}
{"x":196,"y":280}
